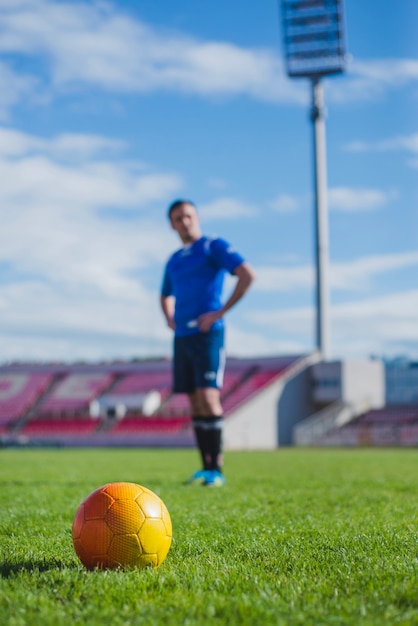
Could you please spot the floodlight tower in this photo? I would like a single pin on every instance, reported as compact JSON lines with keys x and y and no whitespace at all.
{"x":315,"y":47}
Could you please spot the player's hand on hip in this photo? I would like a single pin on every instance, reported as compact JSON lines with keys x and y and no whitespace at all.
{"x":206,"y":320}
{"x":171,"y":324}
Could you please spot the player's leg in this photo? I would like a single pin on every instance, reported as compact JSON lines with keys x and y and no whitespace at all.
{"x":200,"y":435}
{"x":207,"y":401}
{"x":207,"y":424}
{"x":183,"y":382}
{"x":212,"y":429}
{"x":209,"y":364}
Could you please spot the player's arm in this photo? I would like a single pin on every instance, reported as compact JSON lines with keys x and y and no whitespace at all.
{"x":167,"y":305}
{"x":246,"y":276}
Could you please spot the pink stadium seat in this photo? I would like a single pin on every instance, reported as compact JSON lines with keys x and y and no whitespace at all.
{"x":230,"y":380}
{"x":402,"y":414}
{"x":177,"y":404}
{"x":65,"y":426}
{"x":142,"y":382}
{"x":408,"y":435}
{"x":248,"y":388}
{"x":389,"y":426}
{"x":19,"y":391}
{"x":154,"y":424}
{"x":74,"y":393}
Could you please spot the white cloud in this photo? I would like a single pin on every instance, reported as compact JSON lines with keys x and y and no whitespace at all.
{"x":387,"y":322}
{"x":226,"y":208}
{"x":217,"y":183}
{"x":69,"y":171}
{"x":285,"y":203}
{"x":55,"y":198}
{"x":353,"y":275}
{"x":383,"y":325}
{"x":43,"y":319}
{"x":350,"y":199}
{"x":14,"y":143}
{"x":96,"y":44}
{"x":284,"y":278}
{"x":69,"y":268}
{"x":291,"y":322}
{"x":78,"y":284}
{"x":243,"y":344}
{"x":407,"y":143}
{"x":413,"y":163}
{"x":387,"y":71}
{"x":14,"y":88}
{"x":358,"y":274}
{"x":368,"y":80}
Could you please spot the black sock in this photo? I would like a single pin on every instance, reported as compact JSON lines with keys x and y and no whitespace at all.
{"x":200,"y":433}
{"x":213,"y":441}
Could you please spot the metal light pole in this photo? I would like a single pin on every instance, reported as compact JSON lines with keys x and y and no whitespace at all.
{"x":321,"y":220}
{"x":314,"y":46}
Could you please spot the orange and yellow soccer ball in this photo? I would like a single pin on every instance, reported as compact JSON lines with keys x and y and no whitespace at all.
{"x":122,"y":525}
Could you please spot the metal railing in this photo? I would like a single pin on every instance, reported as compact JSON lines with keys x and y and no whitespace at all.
{"x":335,"y":415}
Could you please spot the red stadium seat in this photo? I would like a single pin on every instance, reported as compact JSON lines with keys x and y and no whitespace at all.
{"x":74,"y":392}
{"x":19,"y":391}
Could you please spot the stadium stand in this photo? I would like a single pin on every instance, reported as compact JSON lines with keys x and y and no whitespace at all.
{"x":258,"y":374}
{"x":146,"y":425}
{"x":265,"y":400}
{"x":395,"y":425}
{"x":50,"y":427}
{"x":51,"y":402}
{"x":74,"y":392}
{"x":396,"y":414}
{"x":175,"y":404}
{"x":19,"y":391}
{"x":253,"y":383}
{"x":143,"y":382}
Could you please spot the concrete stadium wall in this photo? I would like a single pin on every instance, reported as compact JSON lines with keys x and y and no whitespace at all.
{"x":266,"y":421}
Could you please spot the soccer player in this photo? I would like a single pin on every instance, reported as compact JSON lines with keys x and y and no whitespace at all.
{"x":191,"y":302}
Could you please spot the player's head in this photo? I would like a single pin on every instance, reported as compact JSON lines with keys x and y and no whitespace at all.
{"x":184,"y":220}
{"x":178,"y":203}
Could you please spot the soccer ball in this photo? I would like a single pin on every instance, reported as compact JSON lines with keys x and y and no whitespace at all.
{"x":122,"y":525}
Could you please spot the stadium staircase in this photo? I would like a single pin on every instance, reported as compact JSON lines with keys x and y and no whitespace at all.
{"x":312,"y":429}
{"x":392,"y":425}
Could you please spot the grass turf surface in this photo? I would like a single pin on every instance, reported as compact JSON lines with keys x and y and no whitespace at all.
{"x":297,"y":537}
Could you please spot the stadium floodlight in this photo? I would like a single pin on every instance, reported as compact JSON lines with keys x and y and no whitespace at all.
{"x":313,"y":37}
{"x":315,"y":47}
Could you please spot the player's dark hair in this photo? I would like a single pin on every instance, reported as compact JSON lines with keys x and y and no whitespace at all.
{"x":174,"y":205}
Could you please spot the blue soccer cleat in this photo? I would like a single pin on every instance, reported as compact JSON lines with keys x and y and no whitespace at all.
{"x":214,"y":478}
{"x":198,"y":478}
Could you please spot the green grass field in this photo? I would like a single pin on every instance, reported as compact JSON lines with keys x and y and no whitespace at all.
{"x":297,"y":537}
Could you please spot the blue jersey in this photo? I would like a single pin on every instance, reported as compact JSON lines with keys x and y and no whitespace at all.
{"x":194,"y":275}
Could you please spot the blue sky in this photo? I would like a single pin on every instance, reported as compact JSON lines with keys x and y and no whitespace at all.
{"x":110,"y":110}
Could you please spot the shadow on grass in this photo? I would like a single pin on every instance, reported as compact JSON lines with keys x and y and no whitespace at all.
{"x":10,"y":569}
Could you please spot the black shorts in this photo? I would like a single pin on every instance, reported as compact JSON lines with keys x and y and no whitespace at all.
{"x":199,"y":361}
